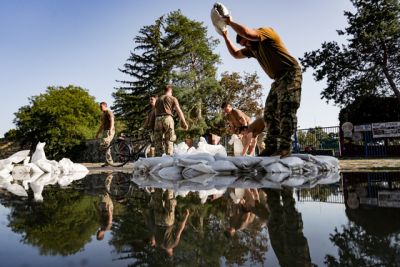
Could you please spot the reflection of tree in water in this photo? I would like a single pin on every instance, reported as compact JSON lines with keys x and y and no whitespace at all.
{"x":285,"y":228}
{"x":202,"y":242}
{"x":62,"y":224}
{"x":371,"y":238}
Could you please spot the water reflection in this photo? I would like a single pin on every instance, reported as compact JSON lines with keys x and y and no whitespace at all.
{"x":372,"y":235}
{"x":240,"y":221}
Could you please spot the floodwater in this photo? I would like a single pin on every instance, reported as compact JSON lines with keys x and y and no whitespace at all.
{"x":106,"y":220}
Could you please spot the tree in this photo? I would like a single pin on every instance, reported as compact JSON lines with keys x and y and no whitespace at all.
{"x":62,"y":117}
{"x":368,"y":65}
{"x":174,"y":50}
{"x":243,"y":92}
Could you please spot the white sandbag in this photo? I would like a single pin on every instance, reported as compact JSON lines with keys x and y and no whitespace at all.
{"x":204,"y":147}
{"x":151,"y":162}
{"x":26,"y":161}
{"x":6,"y":167}
{"x":236,"y":195}
{"x":268,"y":160}
{"x":203,"y":194}
{"x":310,"y":168}
{"x":277,"y":168}
{"x":295,"y":164}
{"x":328,"y":178}
{"x":39,"y":153}
{"x":332,"y":160}
{"x":32,"y":178}
{"x":21,"y":172}
{"x":197,"y":170}
{"x":218,"y":13}
{"x":37,"y":189}
{"x":183,"y":162}
{"x":223,"y":166}
{"x":5,"y":163}
{"x":44,"y":165}
{"x":219,"y":181}
{"x":200,"y":178}
{"x":237,"y":145}
{"x":219,"y":156}
{"x":245,"y":163}
{"x":276,"y":177}
{"x":17,"y":190}
{"x":173,"y":173}
{"x":181,"y":149}
{"x":246,"y":183}
{"x":305,"y":157}
{"x":5,"y":181}
{"x":332,"y":163}
{"x":294,"y":181}
{"x":66,"y":165}
{"x":34,"y":168}
{"x":201,"y":156}
{"x":19,"y":156}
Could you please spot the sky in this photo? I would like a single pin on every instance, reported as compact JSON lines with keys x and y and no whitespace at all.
{"x":57,"y":43}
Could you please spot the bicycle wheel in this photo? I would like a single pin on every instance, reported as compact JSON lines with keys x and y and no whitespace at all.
{"x":120,"y":153}
{"x":144,"y":152}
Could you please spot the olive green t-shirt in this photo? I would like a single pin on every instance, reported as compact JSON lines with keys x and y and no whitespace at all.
{"x":271,"y":53}
{"x":165,"y":105}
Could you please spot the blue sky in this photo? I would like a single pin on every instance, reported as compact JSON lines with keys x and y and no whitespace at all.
{"x":57,"y":43}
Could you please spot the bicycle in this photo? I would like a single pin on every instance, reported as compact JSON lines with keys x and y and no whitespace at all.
{"x":126,"y":148}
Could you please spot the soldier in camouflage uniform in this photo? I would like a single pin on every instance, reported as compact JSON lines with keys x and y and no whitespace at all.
{"x":283,"y":100}
{"x":107,"y":129}
{"x":164,"y":129}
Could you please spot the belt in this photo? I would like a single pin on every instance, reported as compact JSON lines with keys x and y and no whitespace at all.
{"x":163,"y":115}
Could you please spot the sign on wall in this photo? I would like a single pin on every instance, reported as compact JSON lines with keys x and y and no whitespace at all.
{"x":386,"y":129}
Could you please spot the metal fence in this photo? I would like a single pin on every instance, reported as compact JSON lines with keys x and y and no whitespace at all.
{"x":327,"y":194}
{"x":317,"y":141}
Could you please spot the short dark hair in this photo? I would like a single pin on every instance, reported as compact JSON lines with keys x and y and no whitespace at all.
{"x":153,"y":96}
{"x":238,"y":38}
{"x":103,"y":104}
{"x":225,"y":104}
{"x":167,"y":88}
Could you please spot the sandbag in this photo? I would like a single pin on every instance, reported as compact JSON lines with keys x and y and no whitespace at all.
{"x":39,"y":153}
{"x":18,"y":156}
{"x":17,"y":190}
{"x":277,"y":167}
{"x":218,"y":13}
{"x":223,"y":166}
{"x":173,"y":173}
{"x":245,"y":163}
{"x":237,"y":145}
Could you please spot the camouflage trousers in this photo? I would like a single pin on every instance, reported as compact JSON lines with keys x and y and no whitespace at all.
{"x":107,"y":137}
{"x":280,"y":111}
{"x":164,"y":135}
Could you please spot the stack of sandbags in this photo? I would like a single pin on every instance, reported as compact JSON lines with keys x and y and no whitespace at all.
{"x":19,"y":172}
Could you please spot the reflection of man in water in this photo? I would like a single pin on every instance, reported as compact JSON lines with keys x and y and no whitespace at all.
{"x":285,"y":229}
{"x":105,"y":209}
{"x":244,"y":212}
{"x":162,"y":220}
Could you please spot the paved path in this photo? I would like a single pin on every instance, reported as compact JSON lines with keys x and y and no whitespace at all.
{"x":345,"y":165}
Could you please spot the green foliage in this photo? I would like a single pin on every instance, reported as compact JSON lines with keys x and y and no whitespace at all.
{"x":368,"y":65}
{"x":62,"y":117}
{"x":370,"y":109}
{"x":61,"y":225}
{"x":173,"y":50}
